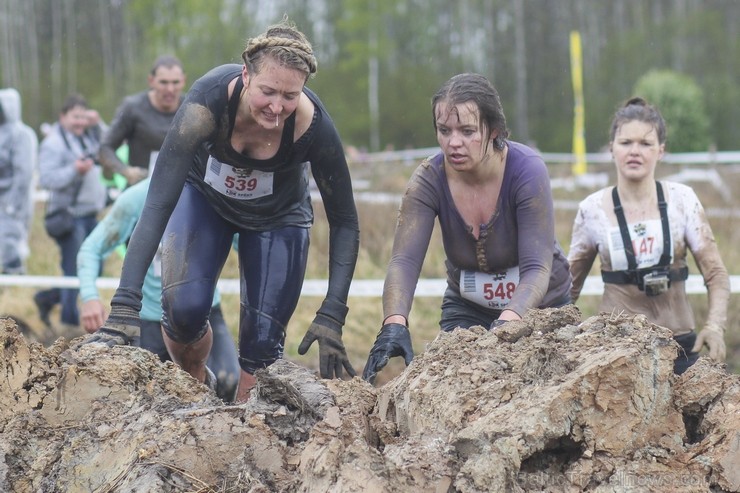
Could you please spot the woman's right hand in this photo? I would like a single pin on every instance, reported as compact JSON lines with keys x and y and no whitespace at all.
{"x":394,"y":339}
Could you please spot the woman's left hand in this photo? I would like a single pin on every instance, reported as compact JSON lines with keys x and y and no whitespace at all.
{"x":332,"y":355}
{"x":713,"y":337}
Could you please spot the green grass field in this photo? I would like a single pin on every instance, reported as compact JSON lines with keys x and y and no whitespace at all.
{"x":377,"y":223}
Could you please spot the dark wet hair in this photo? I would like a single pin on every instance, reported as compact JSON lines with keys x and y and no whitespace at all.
{"x":284,"y":43}
{"x":73,"y":100}
{"x":637,"y":109}
{"x":167,"y":61}
{"x":475,"y":88}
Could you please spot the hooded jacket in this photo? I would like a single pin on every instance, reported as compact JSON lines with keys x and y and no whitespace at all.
{"x":18,"y":148}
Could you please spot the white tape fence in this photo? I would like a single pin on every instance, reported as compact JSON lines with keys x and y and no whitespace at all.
{"x":367,"y":288}
{"x":435,"y":287}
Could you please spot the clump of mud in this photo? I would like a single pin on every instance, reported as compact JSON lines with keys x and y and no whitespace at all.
{"x":551,"y":403}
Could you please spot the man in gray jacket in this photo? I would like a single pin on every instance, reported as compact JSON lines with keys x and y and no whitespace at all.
{"x":68,"y":171}
{"x":18,"y":148}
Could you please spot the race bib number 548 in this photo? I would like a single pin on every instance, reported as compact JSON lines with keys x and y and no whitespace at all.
{"x":489,"y":290}
{"x":237,"y":183}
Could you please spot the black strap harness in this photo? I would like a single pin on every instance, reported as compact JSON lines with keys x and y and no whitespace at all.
{"x":633,"y":275}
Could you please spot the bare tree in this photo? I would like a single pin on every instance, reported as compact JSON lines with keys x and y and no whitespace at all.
{"x":32,"y":59}
{"x":69,"y":29}
{"x":55,"y":64}
{"x":106,"y":45}
{"x":9,"y":20}
{"x":373,"y":76}
{"x":520,"y":61}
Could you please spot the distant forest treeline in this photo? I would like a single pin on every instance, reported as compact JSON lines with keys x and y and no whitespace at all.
{"x":381,"y":60}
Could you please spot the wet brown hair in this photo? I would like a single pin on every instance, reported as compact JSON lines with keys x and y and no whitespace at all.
{"x":637,"y":109}
{"x":284,"y":43}
{"x":475,"y":88}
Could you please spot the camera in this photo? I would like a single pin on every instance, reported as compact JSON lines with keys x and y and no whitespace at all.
{"x":656,"y":282}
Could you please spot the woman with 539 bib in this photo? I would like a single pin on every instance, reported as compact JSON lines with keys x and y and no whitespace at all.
{"x":237,"y":160}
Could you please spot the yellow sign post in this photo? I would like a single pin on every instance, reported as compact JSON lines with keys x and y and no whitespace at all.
{"x":579,"y":140}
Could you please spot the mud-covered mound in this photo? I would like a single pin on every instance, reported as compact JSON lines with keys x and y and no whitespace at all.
{"x":551,"y":403}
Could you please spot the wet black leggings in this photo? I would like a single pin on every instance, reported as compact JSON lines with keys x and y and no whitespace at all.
{"x":458,"y":312}
{"x":685,"y":357}
{"x":223,"y":360}
{"x":272,"y":266}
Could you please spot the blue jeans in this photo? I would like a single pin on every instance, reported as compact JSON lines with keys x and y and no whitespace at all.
{"x":69,"y":246}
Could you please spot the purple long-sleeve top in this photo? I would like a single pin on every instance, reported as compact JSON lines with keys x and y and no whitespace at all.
{"x":521,"y":233}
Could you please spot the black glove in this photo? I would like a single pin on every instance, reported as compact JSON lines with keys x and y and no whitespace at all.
{"x":392,"y":340}
{"x":332,"y":355}
{"x":122,"y":328}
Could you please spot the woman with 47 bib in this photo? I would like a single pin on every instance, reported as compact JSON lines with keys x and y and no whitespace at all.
{"x":642,"y":230}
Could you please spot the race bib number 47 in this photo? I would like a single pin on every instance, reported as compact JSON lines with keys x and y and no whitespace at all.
{"x":489,"y":290}
{"x":238,"y":183}
{"x":647,"y":244}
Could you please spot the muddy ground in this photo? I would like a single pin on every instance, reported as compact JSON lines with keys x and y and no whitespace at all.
{"x":552,"y":403}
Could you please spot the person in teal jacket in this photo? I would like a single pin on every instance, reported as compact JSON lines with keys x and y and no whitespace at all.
{"x":114,"y":230}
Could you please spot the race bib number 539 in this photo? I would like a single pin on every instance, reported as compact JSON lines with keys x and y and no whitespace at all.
{"x":237,"y":183}
{"x":489,"y":290}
